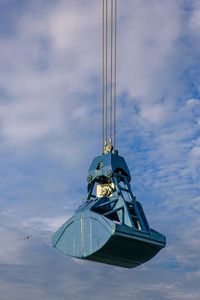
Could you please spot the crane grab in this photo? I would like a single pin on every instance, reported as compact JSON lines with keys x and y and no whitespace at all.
{"x":110,"y":225}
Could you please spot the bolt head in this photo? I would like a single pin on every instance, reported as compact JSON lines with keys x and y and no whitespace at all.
{"x":109,"y":173}
{"x":89,"y":178}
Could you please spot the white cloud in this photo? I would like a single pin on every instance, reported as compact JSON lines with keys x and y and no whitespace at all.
{"x":196,"y":151}
{"x":30,"y":119}
{"x":193,"y":102}
{"x":194,"y":24}
{"x":147,"y":49}
{"x":13,"y":246}
{"x":43,"y":76}
{"x":42,"y":225}
{"x":154,"y":113}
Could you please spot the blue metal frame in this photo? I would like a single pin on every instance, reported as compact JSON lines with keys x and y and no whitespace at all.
{"x":114,"y":168}
{"x":110,"y":229}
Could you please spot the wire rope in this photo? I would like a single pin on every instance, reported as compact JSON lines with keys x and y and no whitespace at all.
{"x":106,"y":131}
{"x":115,"y":74}
{"x":103,"y":80}
{"x":111,"y":69}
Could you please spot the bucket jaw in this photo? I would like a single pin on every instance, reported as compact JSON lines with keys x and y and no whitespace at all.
{"x":110,"y":226}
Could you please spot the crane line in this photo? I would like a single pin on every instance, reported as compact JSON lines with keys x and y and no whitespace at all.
{"x":111,"y":68}
{"x":115,"y":73}
{"x":103,"y":87}
{"x":105,"y":84}
{"x":106,"y":72}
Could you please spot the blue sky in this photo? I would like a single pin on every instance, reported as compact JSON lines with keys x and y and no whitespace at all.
{"x":50,"y":129}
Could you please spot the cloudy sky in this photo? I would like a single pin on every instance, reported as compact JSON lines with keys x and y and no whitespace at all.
{"x":50,"y":129}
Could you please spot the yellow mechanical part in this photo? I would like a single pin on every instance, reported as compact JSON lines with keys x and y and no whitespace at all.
{"x":108,"y":149}
{"x":105,"y":190}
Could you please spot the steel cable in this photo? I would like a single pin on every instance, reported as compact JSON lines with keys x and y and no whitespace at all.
{"x":106,"y":72}
{"x":111,"y":69}
{"x":115,"y":74}
{"x":103,"y":63}
{"x":105,"y":83}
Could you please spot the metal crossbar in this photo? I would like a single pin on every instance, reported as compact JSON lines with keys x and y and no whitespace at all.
{"x":123,"y":189}
{"x":113,"y":211}
{"x":108,"y":202}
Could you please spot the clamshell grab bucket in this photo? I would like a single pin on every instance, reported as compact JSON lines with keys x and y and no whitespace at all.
{"x":108,"y":228}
